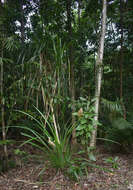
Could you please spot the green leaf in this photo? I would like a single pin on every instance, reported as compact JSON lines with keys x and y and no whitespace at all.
{"x":80,"y":127}
{"x":83,"y":121}
{"x":3,"y":142}
{"x":116,"y":158}
{"x":81,"y":132}
{"x":92,"y":157}
{"x":91,"y":128}
{"x":88,"y":135}
{"x":82,"y":99}
{"x":75,"y":113}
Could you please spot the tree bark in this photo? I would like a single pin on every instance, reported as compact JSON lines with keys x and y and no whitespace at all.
{"x":121,"y":59}
{"x":99,"y":73}
{"x":22,"y":22}
{"x":121,"y":50}
{"x":3,"y":105}
{"x":2,"y":90}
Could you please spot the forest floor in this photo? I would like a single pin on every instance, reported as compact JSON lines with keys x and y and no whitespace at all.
{"x":26,"y":175}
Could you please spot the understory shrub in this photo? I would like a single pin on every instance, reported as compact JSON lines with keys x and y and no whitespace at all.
{"x":47,"y":136}
{"x":84,"y":122}
{"x":121,"y":131}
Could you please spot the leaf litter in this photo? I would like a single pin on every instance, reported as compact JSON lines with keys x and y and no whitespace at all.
{"x":28,"y":176}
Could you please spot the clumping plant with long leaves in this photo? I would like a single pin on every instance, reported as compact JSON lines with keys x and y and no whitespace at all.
{"x":49,"y":139}
{"x":54,"y":141}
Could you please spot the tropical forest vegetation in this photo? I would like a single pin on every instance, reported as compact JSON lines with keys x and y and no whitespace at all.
{"x":66,"y":103}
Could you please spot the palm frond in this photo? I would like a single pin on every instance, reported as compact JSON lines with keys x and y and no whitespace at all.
{"x":112,"y":106}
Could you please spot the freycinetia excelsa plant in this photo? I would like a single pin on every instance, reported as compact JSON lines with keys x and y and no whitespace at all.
{"x":47,"y":136}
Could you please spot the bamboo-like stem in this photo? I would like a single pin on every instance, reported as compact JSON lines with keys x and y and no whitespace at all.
{"x":52,"y":110}
{"x":71,"y":63}
{"x":29,"y":93}
{"x":54,"y":121}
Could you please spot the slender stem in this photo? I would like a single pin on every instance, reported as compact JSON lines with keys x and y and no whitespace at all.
{"x":99,"y":73}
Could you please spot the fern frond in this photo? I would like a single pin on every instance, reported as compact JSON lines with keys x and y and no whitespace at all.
{"x":112,"y":106}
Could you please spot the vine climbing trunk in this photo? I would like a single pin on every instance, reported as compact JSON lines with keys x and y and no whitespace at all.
{"x":98,"y":78}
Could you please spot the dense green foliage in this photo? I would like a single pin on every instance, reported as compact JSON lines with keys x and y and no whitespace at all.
{"x":48,"y":53}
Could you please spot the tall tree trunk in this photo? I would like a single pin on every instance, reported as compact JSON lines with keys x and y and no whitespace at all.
{"x":121,"y":50}
{"x":22,"y":22}
{"x":2,"y":90}
{"x":3,"y":104}
{"x":99,"y":73}
{"x":121,"y":59}
{"x":71,"y":60}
